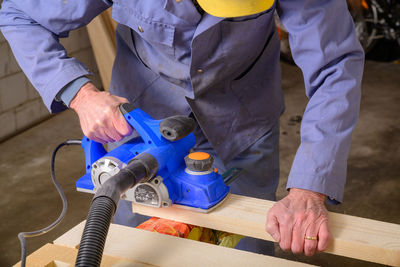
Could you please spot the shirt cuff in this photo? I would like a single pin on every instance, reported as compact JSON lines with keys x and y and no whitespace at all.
{"x":329,"y":199}
{"x":332,"y":201}
{"x":70,"y":90}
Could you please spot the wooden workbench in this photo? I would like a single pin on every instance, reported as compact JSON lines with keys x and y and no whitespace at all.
{"x":127,"y":246}
{"x":353,"y":237}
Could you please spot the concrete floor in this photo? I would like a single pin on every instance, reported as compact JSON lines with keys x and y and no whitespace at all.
{"x":29,"y":201}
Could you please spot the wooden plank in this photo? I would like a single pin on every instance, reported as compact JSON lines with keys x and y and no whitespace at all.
{"x":51,"y":255}
{"x":353,"y":237}
{"x":72,"y":238}
{"x":110,"y":23}
{"x":102,"y":38}
{"x":164,"y":250}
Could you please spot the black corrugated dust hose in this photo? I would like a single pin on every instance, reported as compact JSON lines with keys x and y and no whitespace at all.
{"x":95,"y":233}
{"x":104,"y":205}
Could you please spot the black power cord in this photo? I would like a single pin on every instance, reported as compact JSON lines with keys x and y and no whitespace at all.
{"x":23,"y":235}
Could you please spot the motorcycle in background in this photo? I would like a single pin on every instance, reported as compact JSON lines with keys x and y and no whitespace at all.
{"x":373,"y":20}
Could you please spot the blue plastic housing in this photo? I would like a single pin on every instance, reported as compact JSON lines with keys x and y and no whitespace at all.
{"x":199,"y":191}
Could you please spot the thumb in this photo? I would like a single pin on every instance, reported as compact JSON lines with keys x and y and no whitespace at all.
{"x":272,"y":226}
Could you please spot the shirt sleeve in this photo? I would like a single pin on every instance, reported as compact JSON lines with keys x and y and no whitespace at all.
{"x":70,"y":90}
{"x":324,"y":45}
{"x":33,"y":29}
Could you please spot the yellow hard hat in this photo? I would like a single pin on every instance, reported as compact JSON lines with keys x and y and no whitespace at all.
{"x":234,"y":8}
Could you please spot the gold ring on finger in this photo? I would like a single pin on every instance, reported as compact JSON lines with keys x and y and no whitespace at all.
{"x":310,"y":238}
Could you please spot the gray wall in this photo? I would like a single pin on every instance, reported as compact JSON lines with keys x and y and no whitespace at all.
{"x":20,"y":105}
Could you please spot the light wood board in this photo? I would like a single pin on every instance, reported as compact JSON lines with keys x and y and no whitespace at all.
{"x":52,"y":255}
{"x":169,"y":251}
{"x":102,"y":38}
{"x":353,"y":237}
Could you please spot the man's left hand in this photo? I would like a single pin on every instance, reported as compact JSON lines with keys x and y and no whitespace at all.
{"x":299,"y":222}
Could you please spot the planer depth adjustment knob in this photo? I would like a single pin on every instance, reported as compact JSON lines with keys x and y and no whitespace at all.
{"x":199,"y":162}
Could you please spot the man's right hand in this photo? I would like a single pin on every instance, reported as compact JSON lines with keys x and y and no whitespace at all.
{"x":99,"y":114}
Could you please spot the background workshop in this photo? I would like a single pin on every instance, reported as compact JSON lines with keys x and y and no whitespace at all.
{"x":29,"y":134}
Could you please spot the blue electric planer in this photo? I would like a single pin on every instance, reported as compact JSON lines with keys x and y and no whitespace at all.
{"x":174,"y":177}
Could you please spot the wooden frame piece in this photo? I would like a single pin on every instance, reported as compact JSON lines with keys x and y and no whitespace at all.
{"x":52,"y":255}
{"x":102,"y":38}
{"x":353,"y":237}
{"x":140,"y":246}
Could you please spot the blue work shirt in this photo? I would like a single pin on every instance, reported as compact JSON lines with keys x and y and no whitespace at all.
{"x":224,"y":70}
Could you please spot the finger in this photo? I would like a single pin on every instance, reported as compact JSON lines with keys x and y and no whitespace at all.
{"x":298,"y":233}
{"x":104,"y":128}
{"x":272,"y":226}
{"x":285,"y":230}
{"x":94,"y":137}
{"x":310,"y":244}
{"x":121,"y":125}
{"x":106,"y":136}
{"x":122,"y":99}
{"x":98,"y":134}
{"x":113,"y":134}
{"x":93,"y":134}
{"x":324,"y":236}
{"x":95,"y":131}
{"x":111,"y":131}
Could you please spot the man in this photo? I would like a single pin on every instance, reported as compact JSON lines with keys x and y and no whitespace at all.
{"x":217,"y":60}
